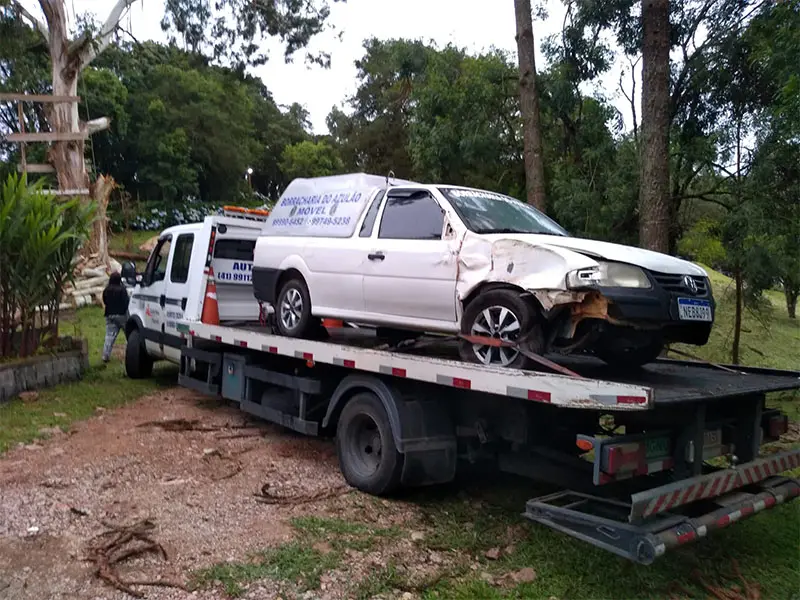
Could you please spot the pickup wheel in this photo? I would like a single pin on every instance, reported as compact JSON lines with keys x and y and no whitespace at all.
{"x":138,"y":364}
{"x":368,"y":457}
{"x":293,"y":312}
{"x":504,"y":315}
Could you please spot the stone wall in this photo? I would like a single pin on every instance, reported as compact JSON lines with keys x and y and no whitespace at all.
{"x":41,"y":372}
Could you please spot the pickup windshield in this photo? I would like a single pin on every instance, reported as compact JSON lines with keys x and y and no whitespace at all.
{"x":487,"y":212}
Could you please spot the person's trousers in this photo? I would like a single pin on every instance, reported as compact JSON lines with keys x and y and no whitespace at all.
{"x":114,"y":324}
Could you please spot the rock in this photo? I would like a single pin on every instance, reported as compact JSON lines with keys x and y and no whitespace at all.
{"x":407,"y":596}
{"x":435,"y":558}
{"x":417,"y":536}
{"x":509,"y":549}
{"x":33,"y":530}
{"x":487,"y":578}
{"x":525,"y":575}
{"x":60,"y":415}
{"x":48,"y":431}
{"x":492,"y":553}
{"x":322,"y":547}
{"x":29,"y":396}
{"x":33,"y":447}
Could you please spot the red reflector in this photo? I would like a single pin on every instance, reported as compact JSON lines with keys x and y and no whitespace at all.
{"x":538,"y":396}
{"x":686,"y":537}
{"x":464,"y":384}
{"x":273,"y":349}
{"x":398,"y":372}
{"x":778,"y":425}
{"x":350,"y":364}
{"x":191,"y":332}
{"x":769,"y":501}
{"x":747,"y":510}
{"x":618,"y":460}
{"x":723,"y":521}
{"x":631,"y":400}
{"x":243,"y":344}
{"x":308,"y":356}
{"x":216,"y":338}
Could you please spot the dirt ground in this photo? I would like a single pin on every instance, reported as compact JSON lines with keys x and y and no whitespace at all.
{"x":198,"y":488}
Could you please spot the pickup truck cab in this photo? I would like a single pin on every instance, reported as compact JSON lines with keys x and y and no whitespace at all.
{"x":451,"y":259}
{"x":173,"y":278}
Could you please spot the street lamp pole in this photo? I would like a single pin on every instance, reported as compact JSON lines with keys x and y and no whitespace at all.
{"x":249,"y":173}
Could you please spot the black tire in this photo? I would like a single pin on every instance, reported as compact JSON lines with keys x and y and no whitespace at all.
{"x":138,"y":364}
{"x":530,"y":331}
{"x":294,"y":297}
{"x":362,"y":426}
{"x":621,"y":353}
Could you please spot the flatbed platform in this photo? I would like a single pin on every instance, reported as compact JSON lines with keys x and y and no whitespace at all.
{"x":435,"y":359}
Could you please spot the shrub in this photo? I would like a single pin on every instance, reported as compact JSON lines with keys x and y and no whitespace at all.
{"x":39,"y":240}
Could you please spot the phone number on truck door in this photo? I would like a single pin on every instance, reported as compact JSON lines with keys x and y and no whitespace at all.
{"x":233,"y":276}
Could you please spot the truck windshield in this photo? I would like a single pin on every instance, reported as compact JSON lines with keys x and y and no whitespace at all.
{"x":487,"y":212}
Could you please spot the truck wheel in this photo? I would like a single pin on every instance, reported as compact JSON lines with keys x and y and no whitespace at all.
{"x":138,"y":364}
{"x":500,"y":314}
{"x":293,"y":309}
{"x":368,"y":457}
{"x":625,"y":353}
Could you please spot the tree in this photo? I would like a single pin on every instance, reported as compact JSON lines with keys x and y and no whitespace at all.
{"x":654,"y":208}
{"x":529,"y":105}
{"x":232,"y":36}
{"x":310,"y":159}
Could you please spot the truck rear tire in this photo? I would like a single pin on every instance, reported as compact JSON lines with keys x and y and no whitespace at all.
{"x":368,"y":457}
{"x":138,"y":364}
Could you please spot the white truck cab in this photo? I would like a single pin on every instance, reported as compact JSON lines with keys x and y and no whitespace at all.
{"x":172,"y":286}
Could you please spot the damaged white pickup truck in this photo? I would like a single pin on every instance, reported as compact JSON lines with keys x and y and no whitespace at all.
{"x":449,"y":259}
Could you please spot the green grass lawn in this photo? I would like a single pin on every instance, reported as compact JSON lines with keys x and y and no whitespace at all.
{"x":103,"y":386}
{"x":119,"y":241}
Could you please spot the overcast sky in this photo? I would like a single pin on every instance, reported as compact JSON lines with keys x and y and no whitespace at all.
{"x":474,"y":24}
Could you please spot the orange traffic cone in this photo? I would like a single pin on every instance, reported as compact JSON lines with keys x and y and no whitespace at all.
{"x":210,"y":305}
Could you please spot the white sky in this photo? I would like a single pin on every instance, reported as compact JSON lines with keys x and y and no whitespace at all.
{"x":474,"y":24}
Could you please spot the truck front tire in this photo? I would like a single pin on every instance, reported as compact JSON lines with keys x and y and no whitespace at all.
{"x":138,"y":364}
{"x":368,"y":457}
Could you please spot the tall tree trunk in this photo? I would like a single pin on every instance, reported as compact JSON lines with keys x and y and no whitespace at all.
{"x":67,"y":157}
{"x":737,"y":318}
{"x":529,"y":106}
{"x":654,"y":212}
{"x":791,"y":293}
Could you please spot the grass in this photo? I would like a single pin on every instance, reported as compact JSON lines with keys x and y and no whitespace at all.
{"x":102,"y":386}
{"x":118,"y":242}
{"x":300,"y":562}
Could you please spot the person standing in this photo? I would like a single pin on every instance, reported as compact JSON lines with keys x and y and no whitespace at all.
{"x":115,"y":299}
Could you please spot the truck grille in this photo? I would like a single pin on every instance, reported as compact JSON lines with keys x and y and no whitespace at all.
{"x":675,"y":283}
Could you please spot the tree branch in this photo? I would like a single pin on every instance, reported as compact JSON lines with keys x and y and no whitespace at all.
{"x":89,"y":52}
{"x":33,"y":20}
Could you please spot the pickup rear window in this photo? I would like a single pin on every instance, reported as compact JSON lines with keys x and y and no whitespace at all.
{"x":235,"y":249}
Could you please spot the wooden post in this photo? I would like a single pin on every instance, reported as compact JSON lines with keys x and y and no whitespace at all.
{"x":22,"y":159}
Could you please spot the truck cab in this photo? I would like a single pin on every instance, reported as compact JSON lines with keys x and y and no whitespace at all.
{"x":173,"y":281}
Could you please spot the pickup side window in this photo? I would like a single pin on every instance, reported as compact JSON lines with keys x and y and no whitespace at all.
{"x":179,"y":273}
{"x":235,"y":249}
{"x":157,"y":266}
{"x":372,"y":214}
{"x":415,"y":216}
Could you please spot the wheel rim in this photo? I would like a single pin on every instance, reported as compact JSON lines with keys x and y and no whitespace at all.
{"x":291,"y":308}
{"x":500,"y":323}
{"x":364,"y":446}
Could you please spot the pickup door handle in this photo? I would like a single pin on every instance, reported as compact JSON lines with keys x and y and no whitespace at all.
{"x":376,"y":256}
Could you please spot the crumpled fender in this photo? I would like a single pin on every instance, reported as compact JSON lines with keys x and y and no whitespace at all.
{"x":540,"y":269}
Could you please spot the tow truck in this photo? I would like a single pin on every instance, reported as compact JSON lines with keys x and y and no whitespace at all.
{"x":645,"y":460}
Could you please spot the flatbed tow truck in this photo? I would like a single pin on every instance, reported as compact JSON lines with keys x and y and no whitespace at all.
{"x":646,"y":460}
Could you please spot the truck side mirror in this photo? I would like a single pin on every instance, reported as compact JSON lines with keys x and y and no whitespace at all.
{"x":129,"y":272}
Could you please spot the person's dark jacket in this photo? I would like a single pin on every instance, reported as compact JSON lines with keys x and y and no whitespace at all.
{"x":115,"y":296}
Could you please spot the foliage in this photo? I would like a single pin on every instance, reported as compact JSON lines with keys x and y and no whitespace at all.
{"x":39,"y":239}
{"x":310,"y":159}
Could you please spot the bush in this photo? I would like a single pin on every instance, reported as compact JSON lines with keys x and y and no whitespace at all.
{"x":39,"y":240}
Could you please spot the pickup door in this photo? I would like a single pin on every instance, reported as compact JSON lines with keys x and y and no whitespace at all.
{"x":410,"y":269}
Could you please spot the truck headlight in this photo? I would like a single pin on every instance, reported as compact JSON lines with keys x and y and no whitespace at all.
{"x":609,"y":275}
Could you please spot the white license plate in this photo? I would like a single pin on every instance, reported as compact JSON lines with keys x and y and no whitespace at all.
{"x":691,"y":309}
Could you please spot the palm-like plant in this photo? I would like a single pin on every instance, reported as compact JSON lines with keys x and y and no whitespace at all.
{"x":39,"y":239}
